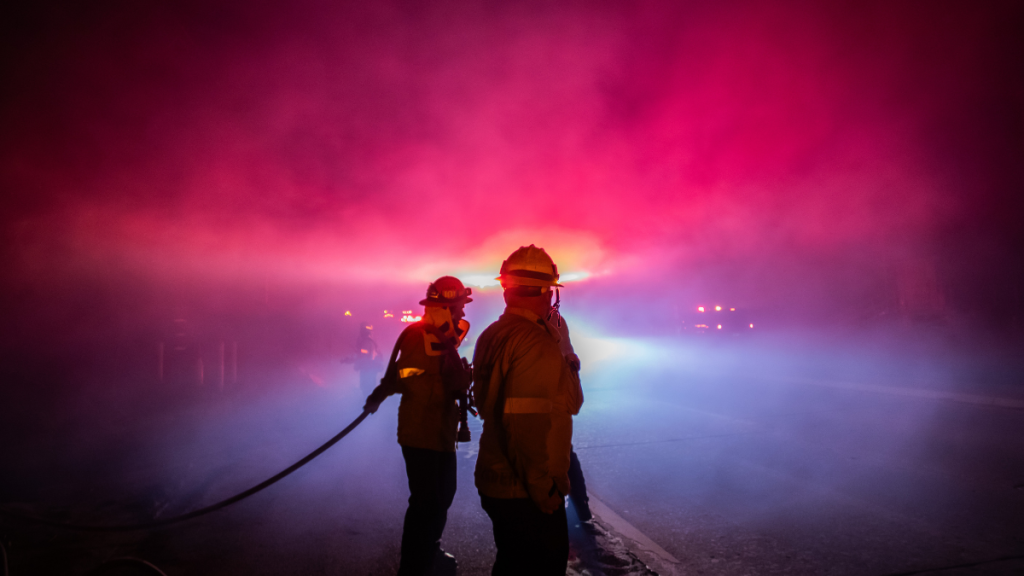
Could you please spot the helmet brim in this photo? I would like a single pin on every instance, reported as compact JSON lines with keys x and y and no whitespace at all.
{"x":521,"y":281}
{"x":442,"y":303}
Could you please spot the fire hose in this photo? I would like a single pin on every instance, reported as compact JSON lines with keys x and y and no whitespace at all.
{"x":195,"y":513}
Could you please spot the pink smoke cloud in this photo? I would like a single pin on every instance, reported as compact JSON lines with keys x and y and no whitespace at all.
{"x":381,"y":143}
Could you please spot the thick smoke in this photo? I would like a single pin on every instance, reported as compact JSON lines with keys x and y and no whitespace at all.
{"x":388,"y":143}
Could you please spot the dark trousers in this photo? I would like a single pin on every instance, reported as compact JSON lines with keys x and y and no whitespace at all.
{"x":431,"y":491}
{"x":578,"y":488}
{"x":528,"y":540}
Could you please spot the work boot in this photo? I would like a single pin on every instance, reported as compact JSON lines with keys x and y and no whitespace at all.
{"x":444,"y":564}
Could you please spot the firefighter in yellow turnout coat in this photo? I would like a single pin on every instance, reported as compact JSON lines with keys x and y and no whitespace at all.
{"x":527,"y":394}
{"x":429,"y":373}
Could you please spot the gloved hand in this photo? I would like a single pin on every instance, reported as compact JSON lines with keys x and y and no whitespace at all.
{"x":372,"y":404}
{"x":547,"y":500}
{"x":375,"y":400}
{"x":558,"y":323}
{"x":574,"y":361}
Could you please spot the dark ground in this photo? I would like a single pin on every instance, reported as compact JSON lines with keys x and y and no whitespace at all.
{"x":735,"y":456}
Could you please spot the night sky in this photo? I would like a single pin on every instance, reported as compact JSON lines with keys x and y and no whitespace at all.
{"x":783,"y":156}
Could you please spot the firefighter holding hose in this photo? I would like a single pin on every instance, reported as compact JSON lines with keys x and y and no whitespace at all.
{"x":426,"y":369}
{"x":527,"y":393}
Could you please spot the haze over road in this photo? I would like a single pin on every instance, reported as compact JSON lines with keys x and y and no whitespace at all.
{"x":737,"y":456}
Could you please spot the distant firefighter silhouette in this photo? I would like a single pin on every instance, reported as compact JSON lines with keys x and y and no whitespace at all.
{"x":367,"y":359}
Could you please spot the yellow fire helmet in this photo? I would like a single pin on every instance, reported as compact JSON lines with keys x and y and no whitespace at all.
{"x":529,"y":266}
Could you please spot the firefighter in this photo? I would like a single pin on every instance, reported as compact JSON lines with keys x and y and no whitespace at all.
{"x":367,"y":358}
{"x":429,"y":374}
{"x":527,"y":394}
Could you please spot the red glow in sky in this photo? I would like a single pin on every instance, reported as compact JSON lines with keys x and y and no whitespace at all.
{"x":388,"y":142}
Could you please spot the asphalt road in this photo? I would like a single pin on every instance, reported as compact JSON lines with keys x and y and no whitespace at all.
{"x":717,"y":458}
{"x":865,"y":468}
